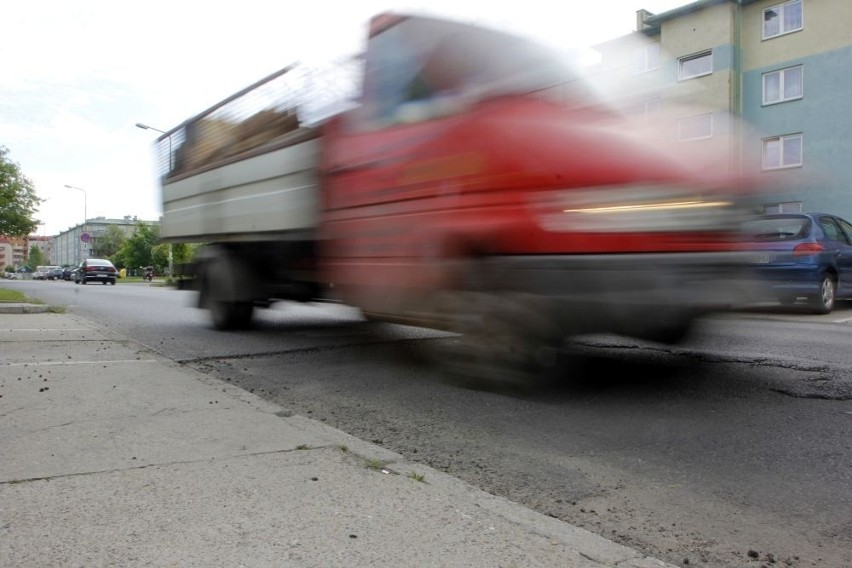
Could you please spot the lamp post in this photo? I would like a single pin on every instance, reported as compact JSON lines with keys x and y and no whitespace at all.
{"x":85,"y":216}
{"x":169,"y":136}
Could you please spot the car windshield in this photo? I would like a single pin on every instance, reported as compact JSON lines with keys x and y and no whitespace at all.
{"x":422,"y":59}
{"x":778,"y":228}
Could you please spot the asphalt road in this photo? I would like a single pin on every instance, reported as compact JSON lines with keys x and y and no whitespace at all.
{"x":734,"y":445}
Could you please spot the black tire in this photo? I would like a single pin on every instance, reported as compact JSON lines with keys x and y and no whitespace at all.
{"x":112,"y":282}
{"x":83,"y":281}
{"x":104,"y":282}
{"x":507,"y":341}
{"x":228,"y":310}
{"x":231,"y":315}
{"x":823,"y":302}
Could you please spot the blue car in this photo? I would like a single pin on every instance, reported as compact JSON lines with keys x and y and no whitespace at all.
{"x":803,"y":258}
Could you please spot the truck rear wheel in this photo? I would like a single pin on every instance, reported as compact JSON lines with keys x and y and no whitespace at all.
{"x":230,"y":315}
{"x":221,"y":292}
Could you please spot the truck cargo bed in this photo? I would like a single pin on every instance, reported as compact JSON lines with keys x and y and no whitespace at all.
{"x":252,"y":198}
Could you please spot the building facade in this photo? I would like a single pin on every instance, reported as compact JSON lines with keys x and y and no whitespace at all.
{"x":767,"y":79}
{"x":81,"y":241}
{"x":45,"y":245}
{"x":14,"y":251}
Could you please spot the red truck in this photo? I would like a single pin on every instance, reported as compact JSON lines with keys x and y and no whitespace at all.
{"x":477,"y":186}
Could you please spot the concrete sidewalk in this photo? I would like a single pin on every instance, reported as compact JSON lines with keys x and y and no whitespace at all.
{"x":111,"y":455}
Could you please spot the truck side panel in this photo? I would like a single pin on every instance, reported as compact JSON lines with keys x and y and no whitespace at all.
{"x":271,"y":193}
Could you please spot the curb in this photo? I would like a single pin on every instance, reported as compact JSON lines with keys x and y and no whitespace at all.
{"x":12,"y":308}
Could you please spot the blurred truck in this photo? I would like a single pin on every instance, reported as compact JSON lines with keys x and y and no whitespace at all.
{"x":476,"y":186}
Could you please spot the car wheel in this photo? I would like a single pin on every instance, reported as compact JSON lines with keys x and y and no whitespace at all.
{"x":824,"y":302}
{"x":112,"y":282}
{"x":83,"y":281}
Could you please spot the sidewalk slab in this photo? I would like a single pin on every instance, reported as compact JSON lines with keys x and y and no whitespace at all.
{"x":115,"y":456}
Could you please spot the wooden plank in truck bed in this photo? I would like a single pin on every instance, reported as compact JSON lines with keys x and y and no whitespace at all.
{"x":252,"y":199}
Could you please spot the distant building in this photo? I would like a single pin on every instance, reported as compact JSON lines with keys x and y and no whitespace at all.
{"x":14,"y":251}
{"x":81,"y":241}
{"x":770,"y":78}
{"x":45,"y":244}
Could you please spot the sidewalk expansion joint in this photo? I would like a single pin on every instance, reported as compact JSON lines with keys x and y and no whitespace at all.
{"x":317,"y":349}
{"x":92,"y":362}
{"x":171,"y":463}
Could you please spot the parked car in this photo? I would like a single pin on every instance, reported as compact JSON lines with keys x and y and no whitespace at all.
{"x":54,"y":273}
{"x":43,"y":272}
{"x":95,"y":270}
{"x":68,"y":272}
{"x":803,"y":257}
{"x":22,"y":273}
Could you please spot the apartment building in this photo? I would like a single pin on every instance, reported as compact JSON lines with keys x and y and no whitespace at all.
{"x":45,"y":245}
{"x":769,"y":80}
{"x":14,"y":251}
{"x":81,"y":241}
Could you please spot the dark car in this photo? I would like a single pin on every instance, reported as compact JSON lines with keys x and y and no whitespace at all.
{"x":68,"y":273}
{"x":54,"y":274}
{"x":95,"y":270}
{"x":803,"y":257}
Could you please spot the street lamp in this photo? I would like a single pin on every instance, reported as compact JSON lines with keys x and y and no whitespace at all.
{"x":169,"y":136}
{"x":85,"y":216}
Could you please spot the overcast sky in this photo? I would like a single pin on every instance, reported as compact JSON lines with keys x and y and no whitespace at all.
{"x":77,"y":76}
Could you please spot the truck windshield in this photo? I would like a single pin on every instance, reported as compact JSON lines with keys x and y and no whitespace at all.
{"x":421,"y":68}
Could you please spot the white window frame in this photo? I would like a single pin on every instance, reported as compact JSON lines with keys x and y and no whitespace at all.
{"x":779,"y":9}
{"x":782,"y":139}
{"x":783,"y":207}
{"x":642,"y":61}
{"x":685,"y":59}
{"x":695,"y":118}
{"x":782,"y":74}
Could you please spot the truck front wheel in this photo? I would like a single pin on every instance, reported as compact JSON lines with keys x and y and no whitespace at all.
{"x":506,"y":341}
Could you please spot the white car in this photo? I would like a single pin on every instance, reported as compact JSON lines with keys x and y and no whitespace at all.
{"x":41,"y":272}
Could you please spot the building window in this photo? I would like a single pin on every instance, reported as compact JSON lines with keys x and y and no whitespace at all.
{"x":651,"y":107}
{"x":645,"y":109}
{"x":782,"y":19}
{"x":784,"y":207}
{"x":695,"y":65}
{"x":783,"y":85}
{"x":695,"y":127}
{"x":782,"y":152}
{"x":646,"y":58}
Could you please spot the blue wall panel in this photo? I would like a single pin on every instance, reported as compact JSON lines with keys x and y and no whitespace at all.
{"x":824,"y":116}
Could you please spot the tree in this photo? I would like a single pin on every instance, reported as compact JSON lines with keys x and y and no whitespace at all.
{"x":160,"y":258}
{"x":183,"y":253}
{"x":110,"y":242}
{"x":137,"y":251}
{"x":18,"y":200}
{"x":36,"y":258}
